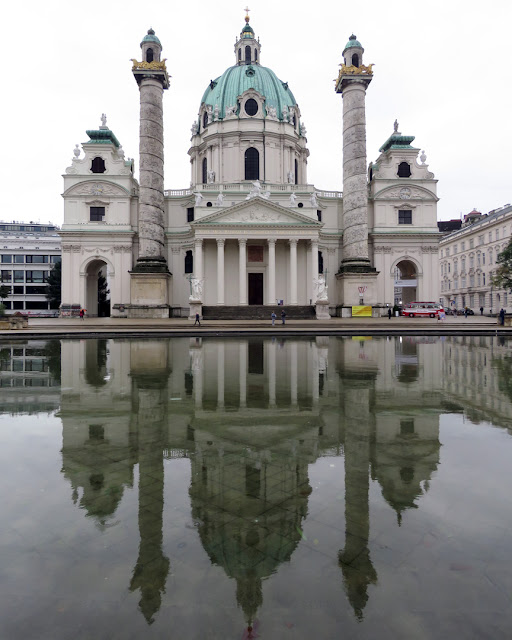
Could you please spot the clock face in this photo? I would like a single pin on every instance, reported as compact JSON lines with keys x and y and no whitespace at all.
{"x":405,"y":193}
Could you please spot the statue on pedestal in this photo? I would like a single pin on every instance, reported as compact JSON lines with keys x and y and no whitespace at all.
{"x":320,"y":288}
{"x":196,"y":289}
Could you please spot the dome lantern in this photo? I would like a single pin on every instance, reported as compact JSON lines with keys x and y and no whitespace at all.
{"x":247,"y":48}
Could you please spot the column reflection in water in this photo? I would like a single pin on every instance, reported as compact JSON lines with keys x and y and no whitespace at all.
{"x":251,"y":420}
{"x":150,"y":370}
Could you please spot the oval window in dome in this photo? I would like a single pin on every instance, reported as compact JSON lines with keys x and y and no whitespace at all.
{"x":251,"y":107}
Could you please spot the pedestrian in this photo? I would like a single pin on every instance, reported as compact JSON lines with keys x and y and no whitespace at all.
{"x":198,"y":321}
{"x":481,"y":311}
{"x":502,"y":317}
{"x":81,"y":314}
{"x":389,"y":313}
{"x":273,"y":316}
{"x":283,"y":317}
{"x":465,"y":312}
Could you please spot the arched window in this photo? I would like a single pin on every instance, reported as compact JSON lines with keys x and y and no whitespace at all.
{"x":247,"y":54}
{"x":296,"y":172}
{"x":252,"y":164}
{"x":205,"y":119}
{"x":205,"y":171}
{"x":255,"y":55}
{"x":239,"y":54}
{"x":98,"y":165}
{"x":149,"y":55}
{"x":355,"y":60}
{"x":404,"y":170}
{"x":189,"y":262}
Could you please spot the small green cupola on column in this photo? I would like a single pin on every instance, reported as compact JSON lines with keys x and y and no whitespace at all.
{"x":151,"y":47}
{"x":353,"y":52}
{"x":247,"y":48}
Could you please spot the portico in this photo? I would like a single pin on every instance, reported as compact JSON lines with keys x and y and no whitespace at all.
{"x":274,"y":250}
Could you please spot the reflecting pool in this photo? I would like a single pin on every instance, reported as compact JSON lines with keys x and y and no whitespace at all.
{"x":256,"y":488}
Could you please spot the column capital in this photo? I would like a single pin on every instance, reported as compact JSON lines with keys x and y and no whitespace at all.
{"x":242,"y":241}
{"x":272,"y":240}
{"x":220,"y":241}
{"x":198,"y":241}
{"x":293,"y":241}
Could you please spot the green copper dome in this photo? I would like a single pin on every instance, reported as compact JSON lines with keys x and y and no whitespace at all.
{"x":150,"y":37}
{"x":224,"y":90}
{"x":353,"y":42}
{"x":247,"y":32}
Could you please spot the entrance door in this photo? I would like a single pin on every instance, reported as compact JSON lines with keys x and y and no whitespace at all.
{"x":255,"y":288}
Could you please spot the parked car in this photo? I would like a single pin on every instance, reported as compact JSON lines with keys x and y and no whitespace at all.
{"x":460,"y":312}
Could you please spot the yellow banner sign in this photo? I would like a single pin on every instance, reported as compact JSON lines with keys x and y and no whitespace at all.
{"x":362,"y":310}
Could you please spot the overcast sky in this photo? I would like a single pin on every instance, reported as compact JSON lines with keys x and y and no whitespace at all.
{"x":442,"y":68}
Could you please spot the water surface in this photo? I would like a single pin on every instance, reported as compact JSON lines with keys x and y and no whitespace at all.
{"x":209,"y":488}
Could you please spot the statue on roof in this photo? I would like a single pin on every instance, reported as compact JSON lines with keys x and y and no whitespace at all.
{"x":103,"y":120}
{"x":395,"y":127}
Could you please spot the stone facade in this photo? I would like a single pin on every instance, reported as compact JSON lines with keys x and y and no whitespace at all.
{"x":250,"y":229}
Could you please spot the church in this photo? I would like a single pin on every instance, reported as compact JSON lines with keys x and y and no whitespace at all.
{"x":250,"y":235}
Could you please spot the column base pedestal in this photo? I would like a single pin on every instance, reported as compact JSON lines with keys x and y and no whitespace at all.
{"x":357,"y":288}
{"x":196,"y":306}
{"x":322,"y":310}
{"x":148,"y":295}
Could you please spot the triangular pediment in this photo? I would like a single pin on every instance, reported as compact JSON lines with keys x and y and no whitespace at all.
{"x":257,"y":212}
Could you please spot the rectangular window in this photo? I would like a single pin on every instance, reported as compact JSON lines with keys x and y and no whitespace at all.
{"x":190,"y":214}
{"x":497,"y":234}
{"x":483,"y":279}
{"x":471,"y":262}
{"x":39,"y":305}
{"x":36,"y":259}
{"x":319,"y":215}
{"x":471,"y":243}
{"x":7,"y":304}
{"x":471,"y":300}
{"x":6,"y":276}
{"x":455,"y":283}
{"x":97,"y":214}
{"x":405,"y":217}
{"x":463,"y":283}
{"x":454,"y":249}
{"x":463,"y":246}
{"x":505,"y":299}
{"x":55,"y":259}
{"x":483,"y":258}
{"x":19,"y":259}
{"x":449,"y":268}
{"x":471,"y":281}
{"x":478,"y":259}
{"x":478,"y":279}
{"x":18,"y":290}
{"x":17,"y":304}
{"x":35,"y":276}
{"x":19,"y":276}
{"x":447,"y":251}
{"x":490,"y":236}
{"x":39,"y":290}
{"x":480,"y":239}
{"x":463,"y":264}
{"x":6,"y":259}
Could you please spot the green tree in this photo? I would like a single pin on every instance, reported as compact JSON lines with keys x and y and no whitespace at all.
{"x":103,"y":299}
{"x":54,"y":286}
{"x":502,"y":278}
{"x":4,"y":292}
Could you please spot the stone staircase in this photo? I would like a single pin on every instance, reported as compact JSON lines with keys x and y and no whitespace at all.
{"x":258,"y":312}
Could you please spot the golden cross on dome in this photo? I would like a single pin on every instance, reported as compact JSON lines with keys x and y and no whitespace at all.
{"x":247,"y":12}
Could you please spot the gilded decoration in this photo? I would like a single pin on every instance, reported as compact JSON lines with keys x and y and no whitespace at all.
{"x":149,"y":66}
{"x":355,"y":71}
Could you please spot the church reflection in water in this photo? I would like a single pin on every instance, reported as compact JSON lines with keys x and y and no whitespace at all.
{"x":252,"y":416}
